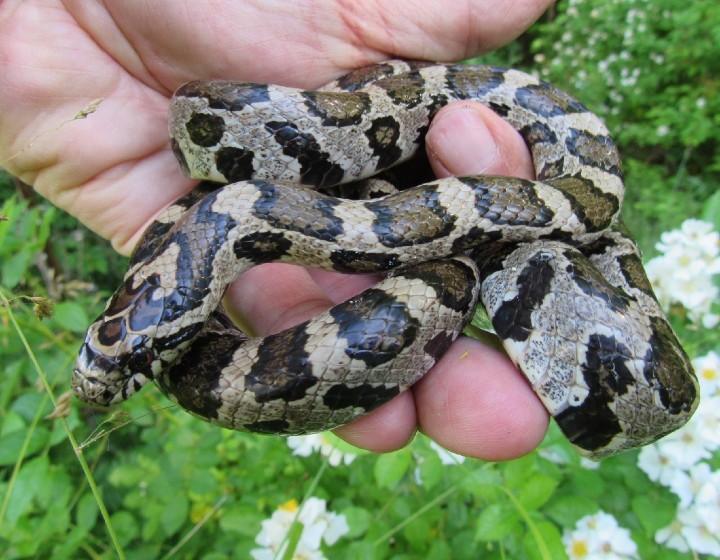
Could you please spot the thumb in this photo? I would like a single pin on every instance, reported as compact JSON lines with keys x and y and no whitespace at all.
{"x":467,"y":138}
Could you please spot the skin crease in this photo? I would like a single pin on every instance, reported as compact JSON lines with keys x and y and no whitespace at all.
{"x":114,"y":169}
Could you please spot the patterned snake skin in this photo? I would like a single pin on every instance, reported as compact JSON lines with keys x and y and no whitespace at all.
{"x":561,"y":280}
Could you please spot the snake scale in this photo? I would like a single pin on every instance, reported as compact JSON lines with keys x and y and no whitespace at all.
{"x":560,"y":277}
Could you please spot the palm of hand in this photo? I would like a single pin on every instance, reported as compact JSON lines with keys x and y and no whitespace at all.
{"x":115,"y":171}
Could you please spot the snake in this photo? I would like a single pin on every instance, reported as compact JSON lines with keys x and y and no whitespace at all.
{"x":557,"y":271}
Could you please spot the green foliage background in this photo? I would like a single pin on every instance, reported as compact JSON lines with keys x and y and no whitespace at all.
{"x":175,"y":487}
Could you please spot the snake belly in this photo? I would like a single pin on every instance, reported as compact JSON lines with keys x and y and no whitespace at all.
{"x":562,"y":280}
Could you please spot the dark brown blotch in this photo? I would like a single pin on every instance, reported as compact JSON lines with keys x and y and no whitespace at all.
{"x":337,"y":109}
{"x":595,"y":208}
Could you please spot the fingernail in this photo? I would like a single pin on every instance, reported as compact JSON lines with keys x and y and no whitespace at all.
{"x":460,"y":141}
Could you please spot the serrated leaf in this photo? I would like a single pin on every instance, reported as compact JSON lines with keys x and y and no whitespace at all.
{"x":71,"y":316}
{"x":587,"y":482}
{"x":495,"y":521}
{"x":417,"y":531}
{"x":14,"y":267}
{"x":11,"y":444}
{"x":536,"y":491}
{"x":125,"y":525}
{"x":551,"y":542}
{"x":653,"y":511}
{"x":431,"y":471}
{"x":483,"y":483}
{"x":174,"y":514}
{"x":241,"y":520}
{"x":358,"y":520}
{"x":481,"y":320}
{"x":391,"y":468}
{"x":566,"y":510}
{"x":86,"y":512}
{"x":711,"y":210}
{"x":517,"y":473}
{"x":26,"y":485}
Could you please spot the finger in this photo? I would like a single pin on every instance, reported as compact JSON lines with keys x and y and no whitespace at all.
{"x":277,"y":296}
{"x":386,"y":429}
{"x":476,"y":403}
{"x":473,"y":402}
{"x":467,"y":138}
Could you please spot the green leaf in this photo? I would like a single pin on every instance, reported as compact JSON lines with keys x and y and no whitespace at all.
{"x":14,"y":267}
{"x":242,"y":520}
{"x":26,"y":486}
{"x":174,"y":514}
{"x":12,"y":422}
{"x":417,"y":532}
{"x":551,"y":538}
{"x":567,"y":509}
{"x":431,"y":470}
{"x":536,"y":491}
{"x":517,"y":473}
{"x":86,"y":512}
{"x":496,"y":521}
{"x":358,"y":520}
{"x":711,"y":210}
{"x":391,"y":468}
{"x":587,"y":482}
{"x":125,"y":526}
{"x":483,"y":483}
{"x":653,"y":511}
{"x":439,"y":550}
{"x":70,"y":544}
{"x":11,"y":444}
{"x":481,"y":320}
{"x":71,"y":316}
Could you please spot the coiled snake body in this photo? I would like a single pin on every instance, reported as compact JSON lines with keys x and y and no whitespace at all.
{"x":561,"y":279}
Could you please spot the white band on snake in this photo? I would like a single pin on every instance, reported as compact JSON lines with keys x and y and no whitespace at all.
{"x":561,"y":279}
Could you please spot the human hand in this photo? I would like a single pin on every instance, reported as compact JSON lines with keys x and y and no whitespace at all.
{"x":115,"y":171}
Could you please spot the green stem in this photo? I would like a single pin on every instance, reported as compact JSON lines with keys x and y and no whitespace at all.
{"x":541,"y":544}
{"x":78,"y":453}
{"x":431,"y":504}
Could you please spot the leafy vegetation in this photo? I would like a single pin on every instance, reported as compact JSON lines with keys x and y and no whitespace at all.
{"x":150,"y":481}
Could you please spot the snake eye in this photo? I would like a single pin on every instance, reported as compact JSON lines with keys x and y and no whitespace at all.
{"x":141,"y":360}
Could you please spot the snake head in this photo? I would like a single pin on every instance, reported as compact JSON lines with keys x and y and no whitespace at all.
{"x":99,"y":378}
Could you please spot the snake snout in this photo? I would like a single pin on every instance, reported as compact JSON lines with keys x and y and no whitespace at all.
{"x":102,"y":380}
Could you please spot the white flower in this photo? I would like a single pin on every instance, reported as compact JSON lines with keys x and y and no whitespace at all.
{"x":447,"y":457}
{"x":701,"y":529}
{"x":708,"y":494}
{"x":697,"y":525}
{"x":657,"y":464}
{"x":707,"y":368}
{"x":672,"y":537}
{"x":683,"y":273}
{"x":304,"y":446}
{"x":706,"y":422}
{"x":599,"y":537}
{"x":318,"y":525}
{"x":686,"y":446}
{"x":695,"y":238}
{"x":687,"y":484}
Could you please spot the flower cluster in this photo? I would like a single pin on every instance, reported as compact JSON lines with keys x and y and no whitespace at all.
{"x":599,"y":537}
{"x":304,"y":446}
{"x":683,"y":273}
{"x":317,"y":523}
{"x":678,"y":462}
